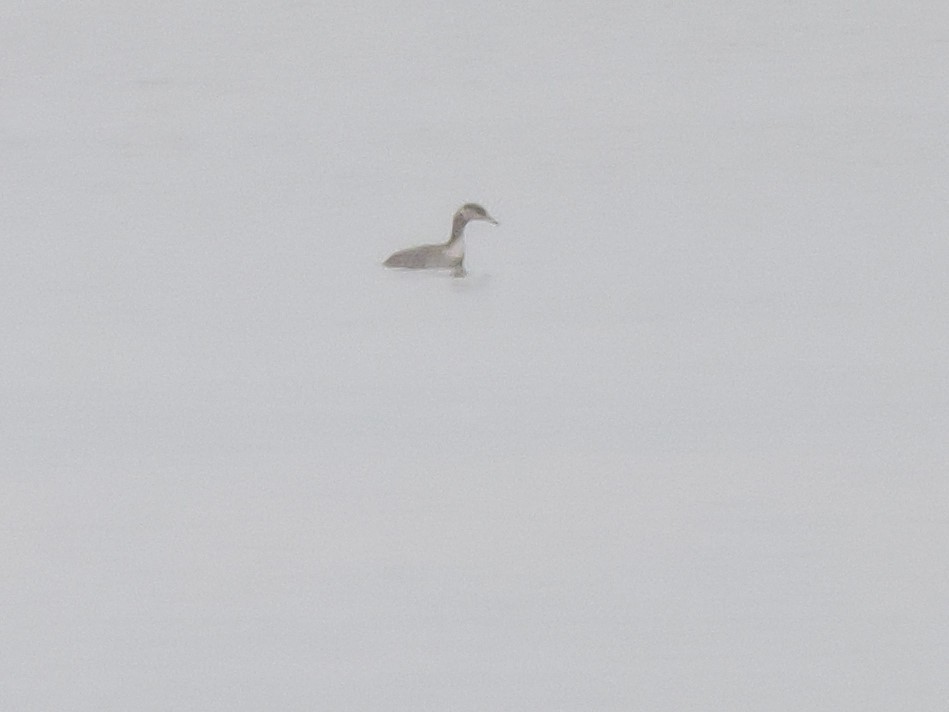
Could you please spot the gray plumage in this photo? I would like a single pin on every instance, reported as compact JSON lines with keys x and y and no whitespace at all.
{"x":449,"y":255}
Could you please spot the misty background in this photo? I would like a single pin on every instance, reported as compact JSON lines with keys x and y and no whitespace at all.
{"x":677,"y":442}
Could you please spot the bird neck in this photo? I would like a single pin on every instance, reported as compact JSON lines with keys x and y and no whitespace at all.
{"x":457,"y":228}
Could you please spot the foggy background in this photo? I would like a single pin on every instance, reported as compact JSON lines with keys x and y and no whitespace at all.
{"x":678,"y":442}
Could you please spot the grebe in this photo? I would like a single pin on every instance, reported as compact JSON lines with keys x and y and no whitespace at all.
{"x":450,"y":255}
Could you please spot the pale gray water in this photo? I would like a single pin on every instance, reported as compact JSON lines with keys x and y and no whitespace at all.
{"x":677,"y":442}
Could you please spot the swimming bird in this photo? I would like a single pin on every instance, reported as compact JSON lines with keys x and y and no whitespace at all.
{"x":450,"y":255}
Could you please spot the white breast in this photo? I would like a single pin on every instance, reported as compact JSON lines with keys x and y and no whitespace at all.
{"x":456,"y":250}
